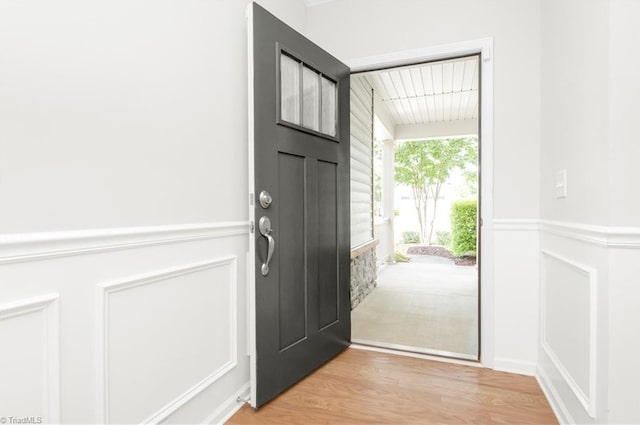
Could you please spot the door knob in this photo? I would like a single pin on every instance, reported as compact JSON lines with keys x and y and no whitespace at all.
{"x":264,"y":226}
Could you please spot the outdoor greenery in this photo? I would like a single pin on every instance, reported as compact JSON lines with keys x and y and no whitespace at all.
{"x":410,"y":237}
{"x":401,"y":258}
{"x":426,"y":165}
{"x":443,"y":238}
{"x":463,"y":227}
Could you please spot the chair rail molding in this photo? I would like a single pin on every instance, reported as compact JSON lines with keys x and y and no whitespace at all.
{"x":21,"y":247}
{"x":604,"y":236}
{"x":607,"y":236}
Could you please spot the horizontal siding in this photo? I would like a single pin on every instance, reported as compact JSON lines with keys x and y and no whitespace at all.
{"x":361,"y":161}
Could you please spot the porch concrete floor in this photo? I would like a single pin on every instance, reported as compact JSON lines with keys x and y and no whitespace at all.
{"x":428,"y":303}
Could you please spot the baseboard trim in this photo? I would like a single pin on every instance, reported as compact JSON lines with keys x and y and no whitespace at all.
{"x":550,"y":392}
{"x":22,"y":247}
{"x":229,"y":407}
{"x":514,"y":366}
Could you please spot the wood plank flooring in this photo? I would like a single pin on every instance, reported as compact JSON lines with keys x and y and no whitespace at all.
{"x":368,"y":387}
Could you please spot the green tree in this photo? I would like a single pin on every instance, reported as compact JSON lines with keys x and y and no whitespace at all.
{"x":425,"y":166}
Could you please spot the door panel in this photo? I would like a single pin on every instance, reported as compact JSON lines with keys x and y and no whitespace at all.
{"x":291,"y":250}
{"x":328,"y":302}
{"x":300,"y":147}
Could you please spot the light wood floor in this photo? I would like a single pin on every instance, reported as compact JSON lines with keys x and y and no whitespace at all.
{"x":367,"y":387}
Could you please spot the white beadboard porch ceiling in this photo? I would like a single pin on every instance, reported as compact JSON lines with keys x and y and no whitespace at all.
{"x":442,"y":91}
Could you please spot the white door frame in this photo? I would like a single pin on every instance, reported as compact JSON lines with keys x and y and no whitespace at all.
{"x":484,"y":47}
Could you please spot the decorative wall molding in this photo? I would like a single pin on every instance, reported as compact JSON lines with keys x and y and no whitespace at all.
{"x":551,"y":393}
{"x":39,"y":246}
{"x":229,"y":407}
{"x":604,"y":236}
{"x":104,"y":290}
{"x":48,"y":305}
{"x":588,"y":401}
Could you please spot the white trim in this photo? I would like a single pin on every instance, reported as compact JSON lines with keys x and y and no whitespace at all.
{"x":554,"y":399}
{"x":48,"y":305}
{"x":413,"y":349}
{"x":426,"y":54}
{"x":483,"y":46}
{"x":588,"y":401}
{"x":39,"y":246}
{"x":229,"y":407}
{"x":516,"y":224}
{"x":514,"y":366}
{"x":605,"y":236}
{"x":470,"y":363}
{"x":251,"y":255}
{"x":103,"y":292}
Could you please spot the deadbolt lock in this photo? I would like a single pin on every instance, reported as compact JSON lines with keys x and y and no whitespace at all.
{"x":265,"y":199}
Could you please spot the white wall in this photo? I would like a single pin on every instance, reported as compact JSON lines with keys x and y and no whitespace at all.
{"x":123,"y":179}
{"x":575,"y":93}
{"x":624,"y":151}
{"x":392,"y":26}
{"x":590,"y":239}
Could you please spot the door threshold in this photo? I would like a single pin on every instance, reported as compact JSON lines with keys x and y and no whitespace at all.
{"x":416,"y":352}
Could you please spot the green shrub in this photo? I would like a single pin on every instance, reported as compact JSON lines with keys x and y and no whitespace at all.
{"x":463,"y":227}
{"x":443,"y":238}
{"x":410,"y":237}
{"x":401,"y":258}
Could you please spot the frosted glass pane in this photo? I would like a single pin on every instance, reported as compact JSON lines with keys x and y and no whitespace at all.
{"x":310,"y":99}
{"x":289,"y":89}
{"x":328,"y":107}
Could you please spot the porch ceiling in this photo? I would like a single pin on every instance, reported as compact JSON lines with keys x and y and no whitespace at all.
{"x":437,"y":92}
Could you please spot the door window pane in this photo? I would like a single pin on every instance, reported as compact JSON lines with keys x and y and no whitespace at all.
{"x":328,"y":107}
{"x":289,"y":89}
{"x":310,"y":99}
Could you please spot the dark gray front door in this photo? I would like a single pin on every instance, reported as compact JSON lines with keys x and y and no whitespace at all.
{"x":301,"y":168}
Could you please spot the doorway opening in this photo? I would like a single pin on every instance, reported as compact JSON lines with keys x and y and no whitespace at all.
{"x":425,"y":198}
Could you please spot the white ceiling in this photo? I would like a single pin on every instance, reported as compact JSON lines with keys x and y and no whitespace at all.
{"x":436,"y":92}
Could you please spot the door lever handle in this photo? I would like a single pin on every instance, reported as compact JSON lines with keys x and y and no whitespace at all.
{"x":264,"y":225}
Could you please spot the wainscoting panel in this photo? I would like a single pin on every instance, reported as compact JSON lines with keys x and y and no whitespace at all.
{"x":164,"y":338}
{"x":569,"y":324}
{"x":152,"y":323}
{"x":29,"y":359}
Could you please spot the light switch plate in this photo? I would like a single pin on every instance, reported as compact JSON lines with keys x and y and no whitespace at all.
{"x":561,"y":184}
